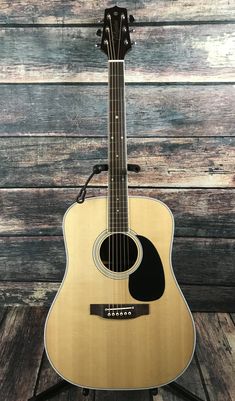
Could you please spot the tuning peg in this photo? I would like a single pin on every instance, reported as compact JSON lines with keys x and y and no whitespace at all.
{"x":101,"y":21}
{"x":132,"y":30}
{"x":134,"y":43}
{"x":99,"y":32}
{"x":131,"y":19}
{"x":98,"y":45}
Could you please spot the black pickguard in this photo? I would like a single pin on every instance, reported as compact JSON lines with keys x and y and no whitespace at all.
{"x":147,"y":283}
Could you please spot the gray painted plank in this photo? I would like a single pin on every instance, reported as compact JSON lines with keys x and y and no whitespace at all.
{"x":57,"y":12}
{"x":181,"y":162}
{"x":200,"y":298}
{"x":216,"y":350}
{"x":197,"y":212}
{"x":81,"y":110}
{"x":195,"y":260}
{"x":21,"y":336}
{"x":164,"y":54}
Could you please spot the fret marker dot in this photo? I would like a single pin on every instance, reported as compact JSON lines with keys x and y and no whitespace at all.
{"x":111,"y":137}
{"x":121,"y":137}
{"x":116,"y":155}
{"x":116,"y":117}
{"x":117,"y":210}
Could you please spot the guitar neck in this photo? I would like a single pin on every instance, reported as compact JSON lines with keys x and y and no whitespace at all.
{"x":117,"y":183}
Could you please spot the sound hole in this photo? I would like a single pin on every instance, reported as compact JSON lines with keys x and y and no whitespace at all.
{"x":118,"y":252}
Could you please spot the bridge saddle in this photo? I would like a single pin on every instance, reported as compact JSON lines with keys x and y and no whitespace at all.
{"x":119,"y":311}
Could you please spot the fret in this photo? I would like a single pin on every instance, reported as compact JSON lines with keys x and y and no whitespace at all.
{"x":117,"y":194}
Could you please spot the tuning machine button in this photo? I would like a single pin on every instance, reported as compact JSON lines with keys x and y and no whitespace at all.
{"x":98,"y":45}
{"x":99,"y":32}
{"x":134,"y":43}
{"x":131,"y":19}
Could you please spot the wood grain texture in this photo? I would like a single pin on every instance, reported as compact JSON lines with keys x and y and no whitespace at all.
{"x":48,"y":377}
{"x":57,"y":12}
{"x":142,"y":340}
{"x":215,"y":345}
{"x":191,"y":380}
{"x":232,"y":315}
{"x":203,"y":53}
{"x":200,"y":298}
{"x":20,"y":352}
{"x":152,"y":110}
{"x":197,"y":212}
{"x":134,"y":395}
{"x":195,"y":260}
{"x":181,"y":162}
{"x":216,"y":354}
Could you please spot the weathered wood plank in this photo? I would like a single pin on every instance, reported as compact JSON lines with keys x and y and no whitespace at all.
{"x":195,"y":260}
{"x":233,"y":317}
{"x":200,"y":298}
{"x":190,"y":379}
{"x":183,"y":162}
{"x":216,"y":353}
{"x":21,"y":350}
{"x":81,"y":110}
{"x":48,"y":377}
{"x":197,"y":212}
{"x":69,"y":11}
{"x":202,"y":53}
{"x":3,"y":312}
{"x":136,"y":395}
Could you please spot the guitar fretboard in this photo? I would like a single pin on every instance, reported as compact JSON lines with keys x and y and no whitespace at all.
{"x":117,"y":194}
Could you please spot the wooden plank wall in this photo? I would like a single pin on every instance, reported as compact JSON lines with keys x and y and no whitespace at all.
{"x":180,"y":120}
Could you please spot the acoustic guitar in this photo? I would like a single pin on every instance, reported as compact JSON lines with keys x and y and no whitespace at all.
{"x":119,"y":319}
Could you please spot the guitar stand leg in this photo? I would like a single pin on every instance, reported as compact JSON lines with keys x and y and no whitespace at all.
{"x":173,"y":387}
{"x":54,"y":390}
{"x":182,"y":391}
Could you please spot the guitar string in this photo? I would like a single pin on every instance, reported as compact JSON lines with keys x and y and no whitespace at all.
{"x":121,"y":146}
{"x":109,"y":173}
{"x":113,"y":190}
{"x":124,"y":166}
{"x":122,"y":149}
{"x":117,"y":192}
{"x":111,"y":242}
{"x":120,"y":205}
{"x":121,"y":141}
{"x":122,"y":177}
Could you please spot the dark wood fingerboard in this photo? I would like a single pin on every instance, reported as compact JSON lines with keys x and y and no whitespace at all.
{"x":117,"y":194}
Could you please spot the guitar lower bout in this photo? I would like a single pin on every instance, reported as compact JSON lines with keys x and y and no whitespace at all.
{"x":128,"y":328}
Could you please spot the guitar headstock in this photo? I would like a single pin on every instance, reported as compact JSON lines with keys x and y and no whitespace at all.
{"x":115,"y":41}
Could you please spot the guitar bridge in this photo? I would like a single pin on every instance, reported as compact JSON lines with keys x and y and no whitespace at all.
{"x":119,"y":311}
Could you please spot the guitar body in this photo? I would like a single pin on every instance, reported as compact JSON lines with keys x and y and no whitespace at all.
{"x":115,"y":352}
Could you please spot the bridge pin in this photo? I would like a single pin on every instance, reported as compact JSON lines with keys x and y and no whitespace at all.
{"x":121,"y":313}
{"x":125,"y":313}
{"x":109,"y":314}
{"x":113,"y":314}
{"x":117,"y":314}
{"x":129,"y":313}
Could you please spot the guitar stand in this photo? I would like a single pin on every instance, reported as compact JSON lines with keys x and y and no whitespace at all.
{"x":175,"y":388}
{"x":97,"y":169}
{"x":54,"y":390}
